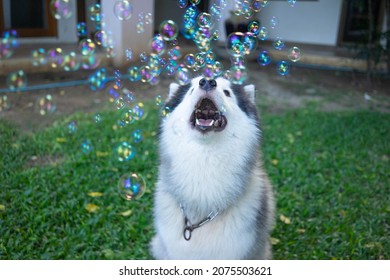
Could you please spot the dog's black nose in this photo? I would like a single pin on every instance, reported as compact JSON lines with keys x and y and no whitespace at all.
{"x":207,"y":84}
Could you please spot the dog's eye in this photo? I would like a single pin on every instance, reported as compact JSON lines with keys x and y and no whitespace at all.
{"x":226,"y":92}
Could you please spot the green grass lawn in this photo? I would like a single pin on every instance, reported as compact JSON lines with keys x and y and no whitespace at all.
{"x":330,"y":173}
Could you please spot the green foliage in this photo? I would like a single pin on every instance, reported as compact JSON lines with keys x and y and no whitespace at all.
{"x":330,"y":174}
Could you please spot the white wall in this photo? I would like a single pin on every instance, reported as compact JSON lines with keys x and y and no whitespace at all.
{"x":124,"y":32}
{"x":314,"y":22}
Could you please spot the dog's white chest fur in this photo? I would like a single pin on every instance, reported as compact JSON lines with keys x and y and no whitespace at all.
{"x":217,"y":171}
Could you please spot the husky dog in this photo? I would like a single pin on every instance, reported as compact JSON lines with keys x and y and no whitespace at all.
{"x":213,"y":200}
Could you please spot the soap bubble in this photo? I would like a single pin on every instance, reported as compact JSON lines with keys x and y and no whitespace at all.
{"x":257,"y":5}
{"x":101,"y":38}
{"x":134,"y":74}
{"x":86,"y":146}
{"x":6,"y":49}
{"x":137,"y":136}
{"x":129,"y":54}
{"x":17,"y":80}
{"x":195,"y":2}
{"x":55,"y":57}
{"x":90,"y":61}
{"x":292,"y":2}
{"x":39,"y":57}
{"x":98,"y":118}
{"x":140,"y":27}
{"x":263,"y":33}
{"x":71,"y":62}
{"x":148,"y":18}
{"x":45,"y":105}
{"x":294,"y":54}
{"x":165,"y":112}
{"x":98,"y":79}
{"x":4,"y":103}
{"x":283,"y":68}
{"x":205,"y":20}
{"x":139,"y":112}
{"x":61,"y":9}
{"x":131,"y":186}
{"x":239,"y":44}
{"x":189,"y":60}
{"x":159,"y":101}
{"x":174,"y":53}
{"x":87,"y":47}
{"x":81,"y":29}
{"x":123,"y":151}
{"x":238,"y":75}
{"x":169,"y":30}
{"x":123,"y":9}
{"x":143,"y":57}
{"x":264,"y":58}
{"x":254,"y":27}
{"x":72,"y":127}
{"x":94,"y":13}
{"x":182,"y":3}
{"x":183,"y":76}
{"x":158,"y":45}
{"x":278,"y":43}
{"x":274,"y":21}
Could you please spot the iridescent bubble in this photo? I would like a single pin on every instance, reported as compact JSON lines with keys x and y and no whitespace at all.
{"x":254,"y":27}
{"x":257,"y":5}
{"x":165,"y":113}
{"x":71,"y":62}
{"x":140,"y":27}
{"x":235,"y":45}
{"x":190,"y":13}
{"x":72,"y":127}
{"x":159,"y":101}
{"x":81,"y":29}
{"x":119,"y":103}
{"x":158,"y":45}
{"x":143,"y":57}
{"x":195,"y":2}
{"x":39,"y":57}
{"x":127,"y":117}
{"x":208,"y":72}
{"x":294,"y":54}
{"x":87,"y":47}
{"x":215,"y":35}
{"x":129,"y":54}
{"x":292,"y":2}
{"x":123,"y":9}
{"x":98,"y":118}
{"x":218,"y":69}
{"x":148,"y":18}
{"x":139,"y":112}
{"x":205,"y":20}
{"x":17,"y":80}
{"x":227,"y":75}
{"x":90,"y":61}
{"x":45,"y":105}
{"x":134,"y":74}
{"x":238,"y":75}
{"x":263,"y":33}
{"x":6,"y":49}
{"x":169,"y":30}
{"x":210,"y":58}
{"x":131,"y":186}
{"x":174,"y":53}
{"x":137,"y":136}
{"x":4,"y":103}
{"x":283,"y":68}
{"x":182,"y":3}
{"x":11,"y":36}
{"x":264,"y":58}
{"x":94,"y":12}
{"x":183,"y":76}
{"x":189,"y":60}
{"x":61,"y":9}
{"x":247,"y":10}
{"x":86,"y":146}
{"x":278,"y":43}
{"x":146,"y":74}
{"x":98,"y":79}
{"x":123,"y":151}
{"x":274,"y":21}
{"x":101,"y":38}
{"x":55,"y":57}
{"x":238,"y":61}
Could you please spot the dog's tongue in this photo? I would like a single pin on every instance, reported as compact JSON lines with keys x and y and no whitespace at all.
{"x":204,"y":124}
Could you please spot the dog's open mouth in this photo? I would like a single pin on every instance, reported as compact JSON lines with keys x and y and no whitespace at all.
{"x":207,"y":117}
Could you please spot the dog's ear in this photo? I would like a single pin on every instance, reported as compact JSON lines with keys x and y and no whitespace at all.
{"x":173,"y":87}
{"x":251,"y":93}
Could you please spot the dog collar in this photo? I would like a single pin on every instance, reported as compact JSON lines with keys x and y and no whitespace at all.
{"x":189,"y":227}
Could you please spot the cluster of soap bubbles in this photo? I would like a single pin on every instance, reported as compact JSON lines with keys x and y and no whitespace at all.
{"x":8,"y":43}
{"x":98,"y":79}
{"x":143,"y":19}
{"x":248,"y":8}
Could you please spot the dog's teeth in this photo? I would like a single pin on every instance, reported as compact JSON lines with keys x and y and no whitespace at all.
{"x":198,"y":111}
{"x":216,"y":123}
